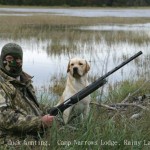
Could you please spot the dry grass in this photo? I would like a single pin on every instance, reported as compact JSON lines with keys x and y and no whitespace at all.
{"x":54,"y":20}
{"x":59,"y":27}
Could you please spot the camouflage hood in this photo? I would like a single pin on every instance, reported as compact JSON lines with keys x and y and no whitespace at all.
{"x":11,"y":49}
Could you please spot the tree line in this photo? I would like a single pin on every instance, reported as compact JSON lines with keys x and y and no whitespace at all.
{"x":101,"y":3}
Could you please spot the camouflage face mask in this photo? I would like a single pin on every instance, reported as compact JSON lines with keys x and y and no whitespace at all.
{"x":13,"y":64}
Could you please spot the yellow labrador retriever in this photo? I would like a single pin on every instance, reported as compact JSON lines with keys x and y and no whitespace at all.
{"x":76,"y":80}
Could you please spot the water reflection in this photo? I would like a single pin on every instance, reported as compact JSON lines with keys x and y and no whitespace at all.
{"x":119,"y":27}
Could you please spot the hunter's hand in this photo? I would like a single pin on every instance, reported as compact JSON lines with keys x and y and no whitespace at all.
{"x":47,"y":120}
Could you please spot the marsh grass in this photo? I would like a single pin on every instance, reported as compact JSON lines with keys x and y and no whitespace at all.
{"x":56,"y":21}
{"x":58,"y":85}
{"x":63,"y":31}
{"x":57,"y":26}
{"x":102,"y":129}
{"x":71,"y":41}
{"x":106,"y":126}
{"x":120,"y":90}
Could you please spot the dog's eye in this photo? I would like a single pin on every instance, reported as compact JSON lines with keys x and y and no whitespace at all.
{"x":80,"y":64}
{"x":72,"y":64}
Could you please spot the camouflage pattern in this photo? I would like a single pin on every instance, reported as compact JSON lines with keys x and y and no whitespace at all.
{"x":13,"y":49}
{"x":19,"y":110}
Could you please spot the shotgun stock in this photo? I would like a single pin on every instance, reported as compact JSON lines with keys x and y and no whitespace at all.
{"x":89,"y":89}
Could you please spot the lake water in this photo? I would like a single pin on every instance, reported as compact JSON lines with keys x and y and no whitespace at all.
{"x":44,"y":67}
{"x":120,"y":27}
{"x":101,"y":56}
{"x":95,"y":12}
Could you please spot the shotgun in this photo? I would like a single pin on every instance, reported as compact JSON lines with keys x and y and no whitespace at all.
{"x":89,"y":89}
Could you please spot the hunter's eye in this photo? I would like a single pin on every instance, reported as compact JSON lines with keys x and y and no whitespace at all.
{"x":72,"y":64}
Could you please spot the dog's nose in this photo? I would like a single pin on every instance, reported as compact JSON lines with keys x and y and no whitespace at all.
{"x":75,"y":69}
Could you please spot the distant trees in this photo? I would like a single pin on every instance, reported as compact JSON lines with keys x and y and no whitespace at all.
{"x":77,"y":2}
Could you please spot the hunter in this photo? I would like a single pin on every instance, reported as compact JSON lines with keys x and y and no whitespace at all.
{"x":20,"y":112}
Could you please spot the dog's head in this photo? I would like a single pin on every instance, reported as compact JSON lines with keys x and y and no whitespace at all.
{"x":78,"y":67}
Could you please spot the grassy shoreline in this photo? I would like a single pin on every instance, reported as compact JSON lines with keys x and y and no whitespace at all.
{"x":43,"y":25}
{"x":105,"y":129}
{"x":68,"y":20}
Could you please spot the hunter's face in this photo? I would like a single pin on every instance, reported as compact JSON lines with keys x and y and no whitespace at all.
{"x":12,"y":63}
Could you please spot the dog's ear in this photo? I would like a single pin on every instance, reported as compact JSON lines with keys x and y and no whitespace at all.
{"x":87,"y":67}
{"x":68,"y":68}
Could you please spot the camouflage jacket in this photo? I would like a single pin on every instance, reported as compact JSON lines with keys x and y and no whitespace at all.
{"x":19,"y":110}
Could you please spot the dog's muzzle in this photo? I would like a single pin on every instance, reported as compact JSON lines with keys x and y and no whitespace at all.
{"x":75,"y":72}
